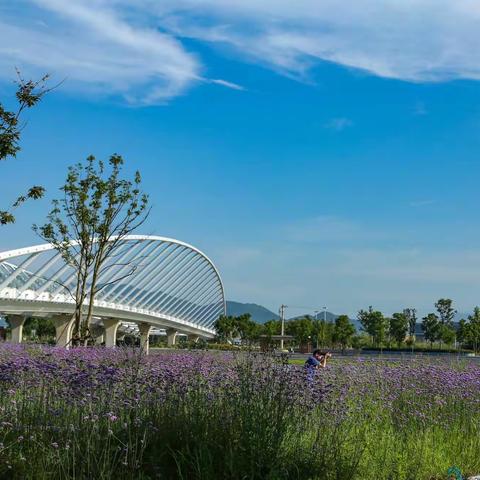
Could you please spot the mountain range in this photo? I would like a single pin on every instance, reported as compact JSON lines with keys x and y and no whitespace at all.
{"x":261,"y":314}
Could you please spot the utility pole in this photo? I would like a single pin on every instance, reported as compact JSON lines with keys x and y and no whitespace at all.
{"x":282,"y":318}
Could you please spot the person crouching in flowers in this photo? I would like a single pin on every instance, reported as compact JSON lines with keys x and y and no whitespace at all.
{"x":317,"y":360}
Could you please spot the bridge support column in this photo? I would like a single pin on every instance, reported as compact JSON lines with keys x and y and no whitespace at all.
{"x":171,"y":336}
{"x":111,"y":327}
{"x":63,"y":329}
{"x":144,"y":329}
{"x":193,"y":338}
{"x":16,"y":325}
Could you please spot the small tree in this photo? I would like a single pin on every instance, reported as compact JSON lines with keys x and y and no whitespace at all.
{"x":87,"y":226}
{"x":431,"y":328}
{"x":300,"y":328}
{"x":225,"y":328}
{"x":411,"y":315}
{"x":28,"y":94}
{"x":344,"y":331}
{"x":474,"y":329}
{"x":447,"y":334}
{"x":375,"y":324}
{"x":445,"y":311}
{"x":399,"y":327}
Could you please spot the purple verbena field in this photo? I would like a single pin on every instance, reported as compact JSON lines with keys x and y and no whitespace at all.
{"x":100,"y":414}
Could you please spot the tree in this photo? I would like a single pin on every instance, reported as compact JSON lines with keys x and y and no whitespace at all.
{"x":87,"y":226}
{"x":445,"y":311}
{"x":225,"y":328}
{"x":474,"y":329}
{"x":411,"y":315}
{"x":344,"y":331}
{"x":322,"y":332}
{"x":28,"y":94}
{"x":375,"y":324}
{"x":300,"y":328}
{"x":247,"y":329}
{"x":272,"y":327}
{"x":399,"y":326}
{"x":463,"y":333}
{"x":447,"y":334}
{"x":431,"y":328}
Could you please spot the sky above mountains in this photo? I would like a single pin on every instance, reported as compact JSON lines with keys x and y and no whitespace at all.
{"x":320,"y":155}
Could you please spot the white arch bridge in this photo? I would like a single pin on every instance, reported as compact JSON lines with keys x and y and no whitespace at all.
{"x":148,"y":283}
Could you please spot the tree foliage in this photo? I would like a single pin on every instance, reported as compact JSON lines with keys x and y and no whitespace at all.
{"x":399,"y":326}
{"x":28,"y":94}
{"x":431,"y":328}
{"x":242,"y":327}
{"x":446,"y":312}
{"x":344,"y":331}
{"x":87,"y":226}
{"x":375,"y":324}
{"x":411,"y":315}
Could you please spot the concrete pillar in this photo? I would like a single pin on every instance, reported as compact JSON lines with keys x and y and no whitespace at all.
{"x":171,"y":336}
{"x":144,"y":329}
{"x":99,"y":339}
{"x":111,"y":326}
{"x":16,"y":326}
{"x":63,"y":329}
{"x":193,"y":338}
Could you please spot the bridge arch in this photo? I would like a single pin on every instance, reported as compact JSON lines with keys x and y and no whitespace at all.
{"x":174,"y":286}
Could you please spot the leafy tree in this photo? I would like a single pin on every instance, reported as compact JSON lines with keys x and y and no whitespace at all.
{"x":344,"y":331}
{"x":248,"y":330}
{"x":322,"y":332}
{"x":272,"y":327}
{"x":447,"y":334}
{"x":463,"y":331}
{"x":375,"y":324}
{"x":411,"y":315}
{"x":474,"y":329}
{"x":399,"y":326}
{"x":87,"y":226}
{"x":445,"y":311}
{"x":431,"y":328}
{"x":43,"y":327}
{"x":28,"y":94}
{"x":225,"y":328}
{"x":300,"y":328}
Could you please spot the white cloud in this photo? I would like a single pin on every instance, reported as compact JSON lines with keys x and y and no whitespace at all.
{"x":134,"y":47}
{"x":417,"y":40}
{"x":96,"y":50}
{"x":224,"y":83}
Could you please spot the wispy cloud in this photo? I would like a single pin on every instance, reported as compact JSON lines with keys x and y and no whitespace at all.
{"x":338,"y":124}
{"x":424,"y":40}
{"x":224,"y":83}
{"x":96,"y":50}
{"x":135,"y":49}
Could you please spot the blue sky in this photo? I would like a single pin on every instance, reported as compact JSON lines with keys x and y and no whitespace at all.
{"x":318,"y":157}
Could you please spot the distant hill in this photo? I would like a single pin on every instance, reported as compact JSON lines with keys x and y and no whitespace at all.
{"x":329,"y":316}
{"x":259,"y":314}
